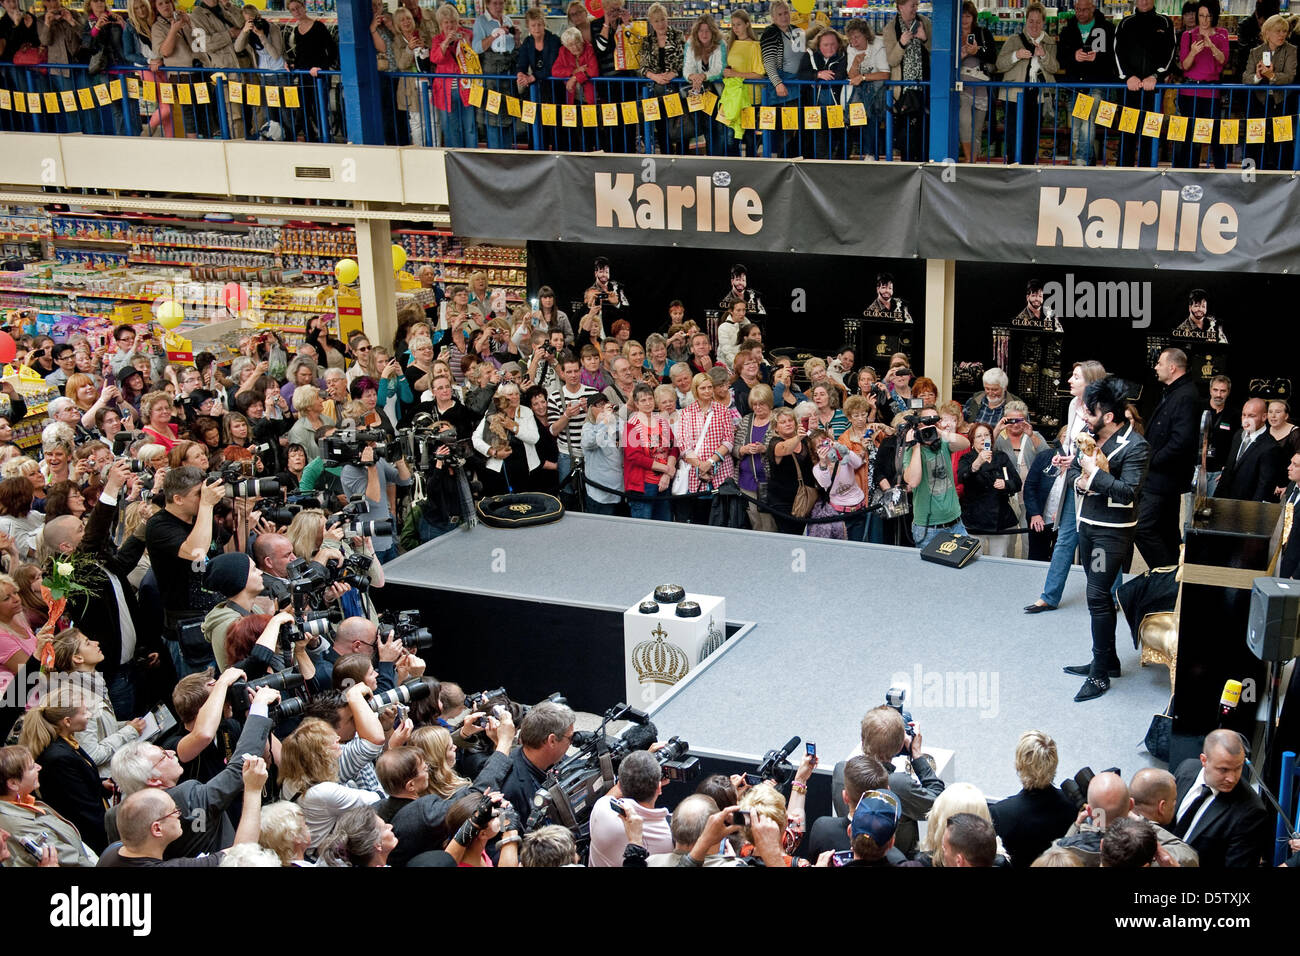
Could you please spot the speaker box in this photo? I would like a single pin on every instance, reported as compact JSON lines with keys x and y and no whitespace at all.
{"x":1273,"y":632}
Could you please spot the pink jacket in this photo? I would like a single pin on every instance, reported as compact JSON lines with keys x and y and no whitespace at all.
{"x":584,"y":67}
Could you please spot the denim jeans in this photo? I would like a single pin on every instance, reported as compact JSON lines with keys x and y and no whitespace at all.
{"x":1083,"y":133}
{"x":658,"y":510}
{"x":921,"y":534}
{"x":459,"y":129}
{"x":121,"y":689}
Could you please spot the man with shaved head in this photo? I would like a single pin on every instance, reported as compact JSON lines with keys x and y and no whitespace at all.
{"x":1254,"y":460}
{"x":1218,"y":814}
{"x":1108,"y":800}
{"x":1155,"y":796}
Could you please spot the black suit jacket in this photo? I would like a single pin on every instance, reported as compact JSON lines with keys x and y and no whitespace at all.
{"x":1289,"y":562}
{"x":1252,"y":478}
{"x":70,"y":784}
{"x":1234,"y":830}
{"x":1030,"y":821}
{"x":1173,"y":432}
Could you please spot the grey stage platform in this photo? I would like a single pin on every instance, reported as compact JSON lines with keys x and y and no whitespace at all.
{"x":835,"y":622}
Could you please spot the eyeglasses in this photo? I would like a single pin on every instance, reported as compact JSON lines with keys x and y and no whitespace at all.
{"x":175,"y":812}
{"x":363,"y":348}
{"x":1014,"y":421}
{"x":165,"y":755}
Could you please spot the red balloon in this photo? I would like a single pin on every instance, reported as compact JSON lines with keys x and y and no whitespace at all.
{"x":8,"y":348}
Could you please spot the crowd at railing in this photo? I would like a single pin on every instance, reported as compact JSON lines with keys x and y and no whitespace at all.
{"x":855,"y":95}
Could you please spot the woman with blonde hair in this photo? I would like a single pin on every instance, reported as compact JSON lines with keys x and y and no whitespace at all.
{"x":284,"y":832}
{"x":75,"y":660}
{"x":72,"y":785}
{"x":156,"y":413}
{"x":439,"y":750}
{"x":186,"y":453}
{"x":956,"y":798}
{"x":744,"y":61}
{"x":411,"y":55}
{"x":703,"y":65}
{"x":309,"y":776}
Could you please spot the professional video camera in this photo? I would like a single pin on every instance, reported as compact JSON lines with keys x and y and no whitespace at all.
{"x":675,"y":760}
{"x":926,"y":428}
{"x":240,"y":694}
{"x":1076,"y":787}
{"x":280,"y":508}
{"x":345,"y":446}
{"x":774,"y":765}
{"x":350,"y":516}
{"x":895,"y":697}
{"x":424,"y":445}
{"x":405,"y":626}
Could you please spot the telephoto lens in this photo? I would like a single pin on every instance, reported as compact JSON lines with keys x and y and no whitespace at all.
{"x":369,"y":528}
{"x":417,"y":688}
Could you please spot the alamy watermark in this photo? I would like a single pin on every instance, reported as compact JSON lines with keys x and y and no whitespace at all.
{"x":971,"y":690}
{"x":1083,"y":299}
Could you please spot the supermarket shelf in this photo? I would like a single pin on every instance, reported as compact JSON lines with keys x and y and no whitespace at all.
{"x":104,"y":241}
{"x":489,"y":263}
{"x":423,"y":232}
{"x":320,"y":255}
{"x":22,"y":236}
{"x":196,"y":245}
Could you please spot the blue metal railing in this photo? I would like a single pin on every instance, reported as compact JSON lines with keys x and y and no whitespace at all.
{"x":1034,"y":123}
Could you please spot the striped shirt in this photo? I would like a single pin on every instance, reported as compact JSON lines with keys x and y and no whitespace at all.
{"x":570,"y":438}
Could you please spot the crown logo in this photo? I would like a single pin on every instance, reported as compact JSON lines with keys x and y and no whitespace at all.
{"x":658,"y":662}
{"x":713,"y":641}
{"x":521,"y":509}
{"x":948,"y":547}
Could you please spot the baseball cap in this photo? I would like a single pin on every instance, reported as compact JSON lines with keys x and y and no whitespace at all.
{"x":876,"y":816}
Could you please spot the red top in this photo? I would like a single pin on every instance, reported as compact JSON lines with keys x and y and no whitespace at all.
{"x":166,"y":439}
{"x":445,"y":62}
{"x":583,"y":67}
{"x":642,"y":447}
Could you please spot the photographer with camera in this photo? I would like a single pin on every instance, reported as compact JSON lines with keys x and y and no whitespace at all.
{"x":476,"y":821}
{"x":239,"y":581}
{"x":361,"y":732}
{"x":640,"y":782}
{"x":361,"y":635}
{"x":544,"y":737}
{"x":207,"y":730}
{"x":375,"y":478}
{"x":178,"y":539}
{"x":927,"y":470}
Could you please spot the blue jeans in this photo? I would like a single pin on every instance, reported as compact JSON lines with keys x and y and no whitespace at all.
{"x":459,"y":129}
{"x":595,"y":507}
{"x":121,"y":690}
{"x":1212,"y":482}
{"x":1067,"y":540}
{"x":387,"y":554}
{"x":183,"y":667}
{"x":500,"y":137}
{"x":651,"y":510}
{"x":1083,"y":133}
{"x":921,"y":534}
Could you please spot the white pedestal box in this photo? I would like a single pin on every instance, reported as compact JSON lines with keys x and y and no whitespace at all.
{"x":661,"y":648}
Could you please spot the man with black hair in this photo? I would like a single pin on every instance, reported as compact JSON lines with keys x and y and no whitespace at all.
{"x":1144,"y":53}
{"x":885,"y":306}
{"x":1107,"y":518}
{"x":927,"y":469}
{"x":969,"y":840}
{"x":613,"y":298}
{"x":1173,"y":434}
{"x":1199,"y":324}
{"x":65,"y":360}
{"x":740,"y":290}
{"x":1036,"y":315}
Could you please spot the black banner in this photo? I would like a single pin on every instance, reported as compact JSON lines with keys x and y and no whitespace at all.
{"x":760,"y":205}
{"x":1135,"y":218}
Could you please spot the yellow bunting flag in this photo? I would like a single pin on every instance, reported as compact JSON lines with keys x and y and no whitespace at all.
{"x":1229,"y":130}
{"x":767,"y":117}
{"x":290,"y":96}
{"x":272,"y":96}
{"x":133,"y":87}
{"x":1282,"y":132}
{"x":694,"y":102}
{"x":101,"y":94}
{"x":789,"y":117}
{"x":710,"y":101}
{"x":672,"y":105}
{"x":834,"y":117}
{"x":235,"y":91}
{"x":493,"y":102}
{"x":549,"y":114}
{"x":476,"y":97}
{"x":1105,"y":114}
{"x":69,"y":101}
{"x":857,"y":114}
{"x":747,"y":117}
{"x":115,"y":92}
{"x":569,"y":115}
{"x":650,"y":108}
{"x":590,"y":117}
{"x":512,"y":106}
{"x":629,"y":113}
{"x":85,"y":98}
{"x":20,"y":103}
{"x":1177,"y":132}
{"x":6,"y":100}
{"x":1151,"y":124}
{"x":812,"y":117}
{"x":253,"y":94}
{"x":183,"y":95}
{"x":150,"y":91}
{"x":528,"y":112}
{"x":1083,"y":106}
{"x":1128,"y":119}
{"x":609,"y":114}
{"x":1203,"y":131}
{"x":33,"y":102}
{"x":51,"y":103}
{"x":1255,"y":130}
{"x":167,"y":93}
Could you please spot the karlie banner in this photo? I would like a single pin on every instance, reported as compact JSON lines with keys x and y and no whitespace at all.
{"x":766,"y":205}
{"x":1135,"y":218}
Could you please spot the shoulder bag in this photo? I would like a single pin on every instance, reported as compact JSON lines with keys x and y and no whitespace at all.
{"x":682,"y":480}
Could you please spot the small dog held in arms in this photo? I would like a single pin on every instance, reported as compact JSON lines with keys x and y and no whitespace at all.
{"x":1087,"y":447}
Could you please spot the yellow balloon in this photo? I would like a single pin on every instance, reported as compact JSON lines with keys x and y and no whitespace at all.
{"x":804,"y":6}
{"x":346,"y":271}
{"x":170,"y":314}
{"x":399,"y":258}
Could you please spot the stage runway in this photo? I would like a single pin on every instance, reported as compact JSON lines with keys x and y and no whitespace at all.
{"x":835,"y":624}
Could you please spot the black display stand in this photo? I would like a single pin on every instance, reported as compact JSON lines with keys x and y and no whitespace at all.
{"x":1213,"y":618}
{"x":1031,"y":357}
{"x":877,"y":339}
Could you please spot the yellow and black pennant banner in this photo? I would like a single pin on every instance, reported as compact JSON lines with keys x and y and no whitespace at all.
{"x":184,"y":94}
{"x":1177,"y":129}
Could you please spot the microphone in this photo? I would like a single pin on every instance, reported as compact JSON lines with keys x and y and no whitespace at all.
{"x":1228,"y":699}
{"x":789,"y":747}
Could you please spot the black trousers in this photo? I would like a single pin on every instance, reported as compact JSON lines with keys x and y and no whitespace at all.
{"x":1102,"y":551}
{"x":1158,"y":535}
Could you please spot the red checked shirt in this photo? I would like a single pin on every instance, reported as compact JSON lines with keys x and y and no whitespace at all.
{"x":720,"y":432}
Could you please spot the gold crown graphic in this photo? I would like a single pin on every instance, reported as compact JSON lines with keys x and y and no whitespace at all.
{"x":657,"y":662}
{"x":948,"y":547}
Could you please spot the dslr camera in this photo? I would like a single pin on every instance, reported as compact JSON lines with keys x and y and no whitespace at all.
{"x":288,"y":682}
{"x":345,"y":446}
{"x":895,"y":697}
{"x":405,"y":626}
{"x":351,"y":517}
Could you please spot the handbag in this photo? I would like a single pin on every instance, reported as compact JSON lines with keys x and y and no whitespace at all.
{"x":98,"y":61}
{"x":1160,"y":733}
{"x":682,"y":480}
{"x":894,"y":502}
{"x":805,"y":497}
{"x":29,"y":55}
{"x":909,"y":102}
{"x":194,"y":646}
